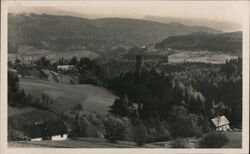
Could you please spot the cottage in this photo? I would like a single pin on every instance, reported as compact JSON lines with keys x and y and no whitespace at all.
{"x":221,"y":123}
{"x":65,"y":67}
{"x":47,"y":131}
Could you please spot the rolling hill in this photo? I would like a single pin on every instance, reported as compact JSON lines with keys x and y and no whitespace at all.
{"x":68,"y":33}
{"x":65,"y":97}
{"x":225,"y":42}
{"x":221,"y":25}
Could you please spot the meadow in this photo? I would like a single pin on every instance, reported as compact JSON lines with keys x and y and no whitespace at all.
{"x":31,"y":53}
{"x":93,"y":98}
{"x":200,"y":56}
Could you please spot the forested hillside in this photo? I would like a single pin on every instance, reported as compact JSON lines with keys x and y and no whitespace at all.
{"x":226,"y":42}
{"x":203,"y":90}
{"x":66,"y":33}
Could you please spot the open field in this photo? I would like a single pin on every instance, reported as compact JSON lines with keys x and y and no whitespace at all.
{"x":93,"y":98}
{"x":38,"y":53}
{"x":21,"y":120}
{"x":200,"y":56}
{"x":79,"y":143}
{"x":13,"y":111}
{"x":234,"y":142}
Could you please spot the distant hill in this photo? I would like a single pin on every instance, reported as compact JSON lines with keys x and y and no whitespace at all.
{"x":67,"y":33}
{"x":221,"y":25}
{"x":225,"y":42}
{"x":134,"y":31}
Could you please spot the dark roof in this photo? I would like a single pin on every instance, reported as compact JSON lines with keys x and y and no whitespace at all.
{"x":55,"y":128}
{"x":49,"y":128}
{"x":35,"y":131}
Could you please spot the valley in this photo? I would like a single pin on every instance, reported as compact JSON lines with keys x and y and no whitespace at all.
{"x":122,"y":83}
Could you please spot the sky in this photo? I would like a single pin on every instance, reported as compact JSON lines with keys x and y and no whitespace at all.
{"x":231,"y":11}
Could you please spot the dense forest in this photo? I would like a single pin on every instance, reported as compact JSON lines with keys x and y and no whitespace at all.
{"x":225,"y":42}
{"x":198,"y":91}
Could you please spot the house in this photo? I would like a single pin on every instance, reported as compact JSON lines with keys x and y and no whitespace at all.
{"x":65,"y":67}
{"x":221,"y":123}
{"x":52,"y":130}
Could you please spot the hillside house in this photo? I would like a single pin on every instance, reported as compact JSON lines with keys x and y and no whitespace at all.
{"x":221,"y":123}
{"x":65,"y":68}
{"x":47,"y":131}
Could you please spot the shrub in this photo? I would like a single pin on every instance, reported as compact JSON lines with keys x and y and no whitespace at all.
{"x":16,"y":135}
{"x":115,"y":128}
{"x":181,"y":143}
{"x":198,"y":133}
{"x":183,"y":123}
{"x":140,"y":135}
{"x":95,"y":127}
{"x":162,"y":131}
{"x":213,"y":140}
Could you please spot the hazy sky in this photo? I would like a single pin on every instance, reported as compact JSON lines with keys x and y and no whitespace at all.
{"x":221,"y":11}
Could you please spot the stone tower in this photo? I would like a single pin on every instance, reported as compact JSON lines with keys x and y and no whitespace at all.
{"x":139,"y":59}
{"x":139,"y":63}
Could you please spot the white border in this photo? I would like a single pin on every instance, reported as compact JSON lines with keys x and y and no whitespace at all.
{"x":3,"y":133}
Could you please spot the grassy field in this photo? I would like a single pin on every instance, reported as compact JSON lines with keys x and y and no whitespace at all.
{"x":79,"y":143}
{"x":13,"y":111}
{"x":200,"y":56}
{"x":235,"y":140}
{"x":95,"y":99}
{"x":37,"y":53}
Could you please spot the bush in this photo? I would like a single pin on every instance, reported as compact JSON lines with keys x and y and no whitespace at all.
{"x":183,"y":123}
{"x":140,"y":135}
{"x":213,"y":140}
{"x":151,"y":131}
{"x":181,"y":143}
{"x":198,"y":133}
{"x":115,"y":127}
{"x":14,"y":134}
{"x":95,"y":127}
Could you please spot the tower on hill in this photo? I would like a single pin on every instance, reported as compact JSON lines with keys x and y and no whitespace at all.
{"x":139,"y":59}
{"x":139,"y":63}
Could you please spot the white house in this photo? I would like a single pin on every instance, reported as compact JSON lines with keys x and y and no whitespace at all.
{"x":221,"y":123}
{"x":65,"y":67}
{"x":52,"y":130}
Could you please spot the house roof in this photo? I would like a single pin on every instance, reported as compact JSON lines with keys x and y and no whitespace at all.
{"x":35,"y":131}
{"x":55,"y":128}
{"x":49,"y":128}
{"x":220,"y":121}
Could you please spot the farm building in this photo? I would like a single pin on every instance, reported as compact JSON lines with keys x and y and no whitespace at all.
{"x":221,"y":123}
{"x":47,"y":131}
{"x":65,"y":67}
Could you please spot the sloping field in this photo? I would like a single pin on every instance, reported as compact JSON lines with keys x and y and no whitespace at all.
{"x":79,"y":143}
{"x":30,"y":117}
{"x":199,"y":56}
{"x":235,"y":140}
{"x":95,"y":99}
{"x":38,"y":53}
{"x":13,"y":111}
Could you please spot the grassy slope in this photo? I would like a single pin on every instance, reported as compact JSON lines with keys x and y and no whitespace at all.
{"x":199,"y":56}
{"x":80,"y":143}
{"x":13,"y":111}
{"x":65,"y":97}
{"x":31,"y":53}
{"x":235,"y":140}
